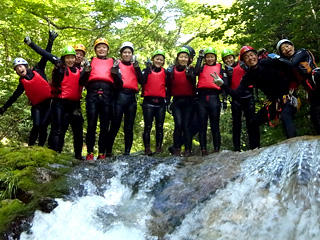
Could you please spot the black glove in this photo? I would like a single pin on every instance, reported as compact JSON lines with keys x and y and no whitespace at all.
{"x":116,"y":64}
{"x":52,"y":35}
{"x":148,"y":63}
{"x":2,"y":110}
{"x":27,"y":40}
{"x":135,"y":62}
{"x":86,"y":65}
{"x":115,"y":68}
{"x":201,"y":53}
{"x":170,"y":69}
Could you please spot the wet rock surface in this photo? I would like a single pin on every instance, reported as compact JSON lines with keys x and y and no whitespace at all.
{"x":19,"y":225}
{"x":176,"y":186}
{"x":47,"y":205}
{"x":194,"y":182}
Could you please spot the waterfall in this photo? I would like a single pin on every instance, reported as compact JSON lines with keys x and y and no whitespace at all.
{"x":270,"y":193}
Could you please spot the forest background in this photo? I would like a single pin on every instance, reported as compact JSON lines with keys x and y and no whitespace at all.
{"x":150,"y":25}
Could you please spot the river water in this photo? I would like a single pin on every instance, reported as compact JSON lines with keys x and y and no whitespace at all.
{"x":271,"y":193}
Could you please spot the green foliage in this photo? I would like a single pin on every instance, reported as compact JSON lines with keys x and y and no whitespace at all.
{"x":263,"y":23}
{"x":26,"y":176}
{"x":9,"y":210}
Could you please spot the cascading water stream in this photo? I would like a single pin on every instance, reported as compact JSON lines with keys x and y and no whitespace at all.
{"x":270,"y":193}
{"x":276,"y":197}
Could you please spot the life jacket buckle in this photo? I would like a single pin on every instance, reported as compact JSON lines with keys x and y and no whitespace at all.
{"x":100,"y":92}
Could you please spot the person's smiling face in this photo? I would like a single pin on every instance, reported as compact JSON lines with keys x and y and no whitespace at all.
{"x":21,"y":70}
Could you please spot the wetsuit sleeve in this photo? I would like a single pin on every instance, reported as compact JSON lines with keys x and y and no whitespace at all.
{"x":286,"y":61}
{"x":139,"y":74}
{"x":198,"y":68}
{"x":229,"y":71}
{"x":242,"y":90}
{"x":190,"y":73}
{"x":167,"y":87}
{"x":57,"y":77}
{"x":145,"y":74}
{"x":169,"y":78}
{"x":43,"y":61}
{"x":300,"y":56}
{"x":47,"y":55}
{"x":116,"y":75}
{"x":84,"y":77}
{"x":225,"y":79}
{"x":19,"y":90}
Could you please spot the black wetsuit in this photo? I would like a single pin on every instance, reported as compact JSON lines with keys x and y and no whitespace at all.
{"x":40,"y":112}
{"x":273,"y":78}
{"x":99,"y":103}
{"x":182,"y":109}
{"x":243,"y":106}
{"x":125,"y":104}
{"x":154,"y":107}
{"x":304,"y":62}
{"x":209,"y":107}
{"x":64,"y":111}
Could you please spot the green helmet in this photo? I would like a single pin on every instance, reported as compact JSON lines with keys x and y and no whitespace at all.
{"x":68,"y":50}
{"x":183,"y":50}
{"x":210,"y":50}
{"x":226,"y":52}
{"x":158,"y":52}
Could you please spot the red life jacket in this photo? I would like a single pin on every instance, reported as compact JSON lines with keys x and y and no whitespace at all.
{"x":70,"y":88}
{"x":238,"y":73}
{"x":205,"y":80}
{"x":101,"y":70}
{"x":129,"y":77}
{"x":156,"y":84}
{"x":181,"y":86}
{"x":37,"y":89}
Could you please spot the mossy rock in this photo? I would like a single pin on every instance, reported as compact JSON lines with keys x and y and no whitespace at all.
{"x":27,"y":175}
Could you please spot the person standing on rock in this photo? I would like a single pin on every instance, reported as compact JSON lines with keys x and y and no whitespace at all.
{"x":33,"y":82}
{"x":154,"y":101}
{"x":275,"y":79}
{"x":303,"y":60}
{"x":181,"y":86}
{"x":244,"y":105}
{"x":194,"y":125}
{"x":209,"y":104}
{"x":66,"y":91}
{"x":128,"y":73}
{"x":100,"y":86}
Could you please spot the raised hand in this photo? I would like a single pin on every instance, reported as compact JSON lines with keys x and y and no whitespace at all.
{"x":52,"y":35}
{"x":27,"y":40}
{"x":217,"y":79}
{"x":201,"y":53}
{"x":116,"y":63}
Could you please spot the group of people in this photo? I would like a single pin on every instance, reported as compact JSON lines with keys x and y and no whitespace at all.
{"x":191,"y":94}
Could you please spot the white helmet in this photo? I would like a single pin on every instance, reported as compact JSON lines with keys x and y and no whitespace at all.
{"x":19,"y":61}
{"x":281,"y":42}
{"x":127,"y":45}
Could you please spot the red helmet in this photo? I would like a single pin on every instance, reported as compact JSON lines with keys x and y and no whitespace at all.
{"x":245,"y":49}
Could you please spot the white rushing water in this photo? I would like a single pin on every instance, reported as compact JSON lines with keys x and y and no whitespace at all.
{"x":114,"y":216}
{"x":276,"y":196}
